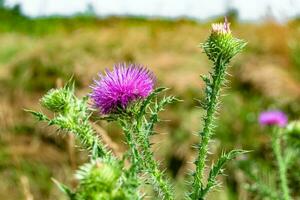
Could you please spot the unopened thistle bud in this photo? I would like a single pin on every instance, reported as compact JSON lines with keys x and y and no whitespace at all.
{"x":221,"y":45}
{"x":98,"y":176}
{"x":293,"y":128}
{"x":56,"y":100}
{"x":99,"y":181}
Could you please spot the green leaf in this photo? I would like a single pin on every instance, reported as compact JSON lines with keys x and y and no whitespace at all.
{"x":65,"y":189}
{"x":70,"y":85}
{"x":217,"y":168}
{"x":148,"y":100}
{"x":38,"y":115}
{"x":159,"y":106}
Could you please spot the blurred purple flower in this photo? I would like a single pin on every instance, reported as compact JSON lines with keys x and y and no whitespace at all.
{"x":274,"y":117}
{"x":221,"y":28}
{"x":121,"y":86}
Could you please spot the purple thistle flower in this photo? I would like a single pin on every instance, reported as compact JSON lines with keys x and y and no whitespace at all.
{"x":274,"y":117}
{"x":121,"y":86}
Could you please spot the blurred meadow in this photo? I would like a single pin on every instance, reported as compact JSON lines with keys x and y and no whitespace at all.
{"x":37,"y":54}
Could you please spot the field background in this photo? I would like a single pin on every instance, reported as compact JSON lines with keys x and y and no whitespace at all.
{"x":39,"y":54}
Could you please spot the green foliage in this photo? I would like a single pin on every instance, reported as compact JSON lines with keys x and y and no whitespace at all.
{"x":263,"y":178}
{"x":282,"y":165}
{"x":11,"y":17}
{"x":106,"y":179}
{"x":217,"y":169}
{"x":284,"y":146}
{"x":72,"y":116}
{"x":99,"y":180}
{"x":295,"y":52}
{"x":138,"y":130}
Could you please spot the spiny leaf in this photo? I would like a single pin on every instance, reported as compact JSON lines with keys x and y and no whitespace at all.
{"x":38,"y":115}
{"x":148,"y":100}
{"x":206,"y":79}
{"x":65,"y":189}
{"x":217,"y":168}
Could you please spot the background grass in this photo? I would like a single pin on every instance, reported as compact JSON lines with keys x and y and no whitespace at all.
{"x":38,"y":54}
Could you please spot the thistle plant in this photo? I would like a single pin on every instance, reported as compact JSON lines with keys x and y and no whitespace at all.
{"x":220,"y":48}
{"x":127,"y":96}
{"x":284,"y":137}
{"x":71,"y":115}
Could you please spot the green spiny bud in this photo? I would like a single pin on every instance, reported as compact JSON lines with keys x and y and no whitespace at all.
{"x":221,"y":44}
{"x":99,"y":180}
{"x":57,"y":100}
{"x":98,"y":176}
{"x":293,"y":128}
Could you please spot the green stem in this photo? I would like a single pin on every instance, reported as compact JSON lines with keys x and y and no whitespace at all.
{"x":135,"y":157}
{"x":218,"y":77}
{"x":85,"y":132}
{"x":281,"y":164}
{"x":142,"y":158}
{"x":161,"y":185}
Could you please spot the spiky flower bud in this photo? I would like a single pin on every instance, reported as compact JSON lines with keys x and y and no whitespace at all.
{"x":293,"y":133}
{"x":98,"y":175}
{"x":221,"y":45}
{"x":56,"y":100}
{"x":293,"y":128}
{"x":99,"y":181}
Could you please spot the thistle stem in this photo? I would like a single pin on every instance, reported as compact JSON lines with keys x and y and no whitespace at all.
{"x":281,"y":164}
{"x":218,"y":77}
{"x":161,"y":185}
{"x":85,"y":132}
{"x":142,"y":157}
{"x":135,"y":156}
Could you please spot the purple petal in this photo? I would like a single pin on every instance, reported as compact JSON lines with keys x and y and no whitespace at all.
{"x":121,"y":86}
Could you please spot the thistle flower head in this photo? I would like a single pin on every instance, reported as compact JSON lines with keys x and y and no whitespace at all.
{"x":273,"y":118}
{"x":121,"y":86}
